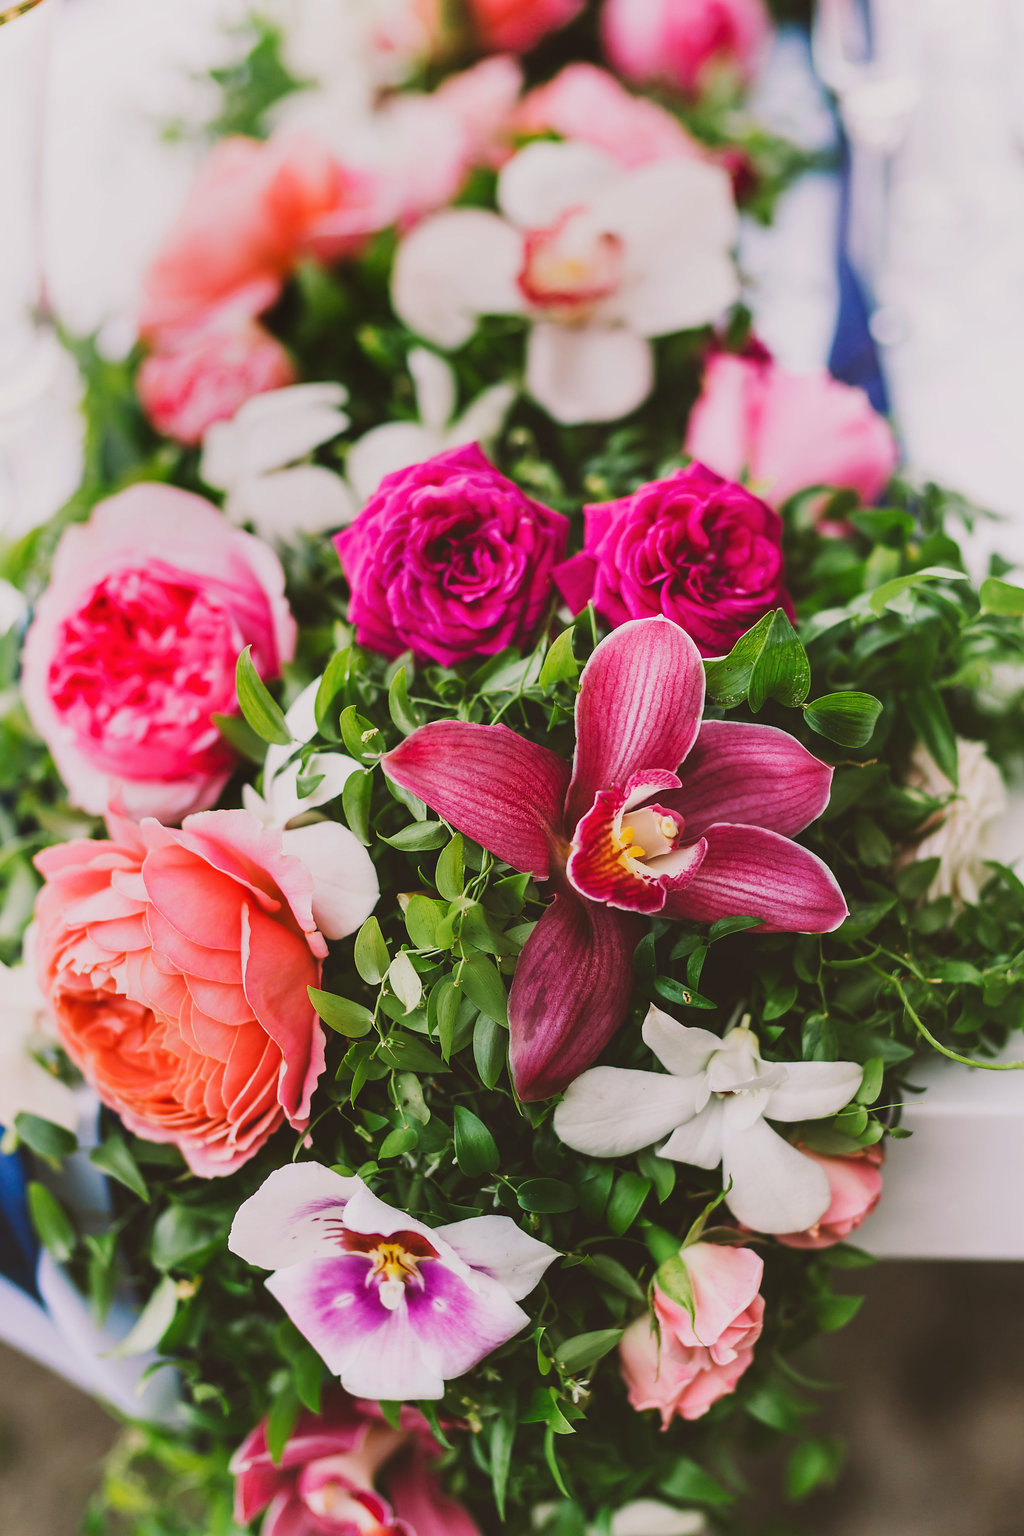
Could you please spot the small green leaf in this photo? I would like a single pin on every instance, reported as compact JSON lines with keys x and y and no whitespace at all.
{"x":881,"y":597}
{"x":422,"y":919}
{"x":356,"y":796}
{"x":341,"y":1014}
{"x":1000,"y":597}
{"x":420,"y":837}
{"x":929,"y":719}
{"x":481,"y":981}
{"x":502,"y":1439}
{"x":284,"y":1411}
{"x":332,"y":685}
{"x":490,"y":1050}
{"x":404,"y":981}
{"x":626,"y":1202}
{"x":114,"y":1158}
{"x":51,"y":1222}
{"x":582,"y":1351}
{"x":408,"y":1053}
{"x":260,"y":709}
{"x":443,"y":1013}
{"x":153,"y":1322}
{"x":402,"y":712}
{"x":690,"y":1484}
{"x":371,"y":953}
{"x":476,"y":1151}
{"x":560,"y":664}
{"x":184,"y":1234}
{"x":401,"y":1140}
{"x":768,"y":662}
{"x":362,"y":739}
{"x":450,"y":874}
{"x":615,"y":1275}
{"x":834,"y":1312}
{"x":44,"y":1137}
{"x":241,"y":738}
{"x":846,"y":718}
{"x":871,"y":1082}
{"x":813,"y":1464}
{"x":548,"y":1196}
{"x":673,"y":1278}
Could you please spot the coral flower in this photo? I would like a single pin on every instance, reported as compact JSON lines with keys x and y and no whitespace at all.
{"x":627,"y":832}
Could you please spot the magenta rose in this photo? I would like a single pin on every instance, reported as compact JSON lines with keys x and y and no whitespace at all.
{"x":699,"y":549}
{"x":133,"y":648}
{"x":684,"y":43}
{"x":207,"y":375}
{"x":451,"y":560}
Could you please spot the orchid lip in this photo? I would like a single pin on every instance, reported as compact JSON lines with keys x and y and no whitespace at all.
{"x":394,"y":1262}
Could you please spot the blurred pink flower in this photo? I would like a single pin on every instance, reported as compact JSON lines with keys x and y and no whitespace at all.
{"x":856,"y":1185}
{"x":518,"y":25}
{"x":207,"y":375}
{"x":681,"y":43}
{"x":587,"y":103}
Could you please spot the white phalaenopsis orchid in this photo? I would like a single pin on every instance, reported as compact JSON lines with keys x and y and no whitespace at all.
{"x":714,"y":1107}
{"x":254,"y":459}
{"x":600,"y":258}
{"x":394,"y":1308}
{"x":345,"y":886}
{"x":399,"y":444}
{"x":648,"y":1517}
{"x":27,"y":1087}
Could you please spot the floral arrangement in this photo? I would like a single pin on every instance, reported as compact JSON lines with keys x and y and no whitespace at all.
{"x":499,"y":773}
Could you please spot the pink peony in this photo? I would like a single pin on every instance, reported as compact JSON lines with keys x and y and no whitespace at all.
{"x":696,"y":548}
{"x":518,"y":25}
{"x":856,"y":1184}
{"x":451,"y":560}
{"x":326,"y":1482}
{"x":587,"y":103}
{"x":175,"y":964}
{"x":682,"y":43}
{"x":208,"y":375}
{"x":134,"y":643}
{"x":788,"y":431}
{"x":697,"y":1360}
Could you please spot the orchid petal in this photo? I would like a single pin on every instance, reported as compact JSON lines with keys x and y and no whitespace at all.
{"x":434,"y":384}
{"x":612,"y":1111}
{"x":384,"y":450}
{"x":545,"y":180}
{"x":639,"y":708}
{"x":699,"y":1141}
{"x":499,"y":789}
{"x":422,"y":1506}
{"x":588,"y":373}
{"x":454,"y":267}
{"x":681,"y":1048}
{"x":484,"y":418}
{"x":345,"y":885}
{"x":603,"y":868}
{"x":774,"y":1187}
{"x":293,"y":1217}
{"x":752,"y":775}
{"x":812,"y":1090}
{"x":646,"y":1517}
{"x":497,"y":1247}
{"x":272,"y":429}
{"x":570,"y":992}
{"x":752,"y":872}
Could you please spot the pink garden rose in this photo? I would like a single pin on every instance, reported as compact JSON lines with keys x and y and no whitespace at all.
{"x":587,"y":103}
{"x":328,"y":1479}
{"x":134,"y":643}
{"x":681,"y":43}
{"x":856,"y":1184}
{"x":788,"y":431}
{"x":698,"y":549}
{"x":696,"y":1361}
{"x":175,"y":965}
{"x":208,"y":375}
{"x":518,"y":25}
{"x":451,"y":560}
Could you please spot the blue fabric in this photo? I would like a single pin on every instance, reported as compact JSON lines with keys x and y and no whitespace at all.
{"x":854,"y":357}
{"x":18,"y":1246}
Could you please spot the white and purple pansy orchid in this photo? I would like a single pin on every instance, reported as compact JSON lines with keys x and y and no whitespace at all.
{"x":627,"y":832}
{"x":393,"y":1307}
{"x":714,"y":1105}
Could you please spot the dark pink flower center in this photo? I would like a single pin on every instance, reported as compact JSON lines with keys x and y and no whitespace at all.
{"x":571,"y":266}
{"x":394,"y":1261}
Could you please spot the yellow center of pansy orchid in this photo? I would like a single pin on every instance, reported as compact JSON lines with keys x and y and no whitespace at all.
{"x":394,"y":1261}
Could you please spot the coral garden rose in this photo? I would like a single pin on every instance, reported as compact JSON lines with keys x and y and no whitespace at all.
{"x":701,"y":550}
{"x":208,"y":375}
{"x":587,"y":103}
{"x":175,"y":964}
{"x":785,"y":432}
{"x":450,"y":560}
{"x":346,"y":1472}
{"x":856,"y":1186}
{"x":133,"y":648}
{"x":518,"y":25}
{"x":684,"y":43}
{"x":698,"y":1357}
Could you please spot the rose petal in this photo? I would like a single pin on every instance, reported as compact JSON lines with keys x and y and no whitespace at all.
{"x":345,"y":885}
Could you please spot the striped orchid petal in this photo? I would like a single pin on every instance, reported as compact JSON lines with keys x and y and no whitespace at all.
{"x":750,"y":871}
{"x":752,"y":774}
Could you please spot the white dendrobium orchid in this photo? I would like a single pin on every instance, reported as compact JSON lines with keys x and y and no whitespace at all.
{"x":254,"y":458}
{"x":962,"y":837}
{"x":601,"y":258}
{"x":647,"y":1517}
{"x":393,"y":1307}
{"x":26,"y":1087}
{"x":345,"y":885}
{"x":399,"y":444}
{"x":715,"y":1102}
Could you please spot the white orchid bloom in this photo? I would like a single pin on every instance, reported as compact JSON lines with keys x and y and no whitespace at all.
{"x":962,"y":838}
{"x":254,"y":458}
{"x":26,"y":1087}
{"x":714,"y":1106}
{"x":399,"y":444}
{"x":601,"y":258}
{"x":648,"y":1517}
{"x":345,"y":886}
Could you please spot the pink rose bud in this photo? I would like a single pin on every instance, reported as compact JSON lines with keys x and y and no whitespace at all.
{"x":789,"y":431}
{"x":328,"y":1479}
{"x":133,"y":649}
{"x":856,"y":1184}
{"x":586,"y":103}
{"x":451,"y":560}
{"x":684,"y":43}
{"x":519,"y":25}
{"x":704,"y":552}
{"x":698,"y":1358}
{"x":209,"y":376}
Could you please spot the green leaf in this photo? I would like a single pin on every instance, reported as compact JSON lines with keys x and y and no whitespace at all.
{"x":813,"y":1464}
{"x":502,"y":1439}
{"x":582,"y":1351}
{"x":44,"y":1137}
{"x":547,"y":1196}
{"x":333,"y":683}
{"x":356,"y":796}
{"x":114,"y":1158}
{"x":846,"y":718}
{"x":408,"y":1053}
{"x":690,"y":1484}
{"x":560,"y":664}
{"x":626,"y":1203}
{"x":341,"y":1013}
{"x":476,"y":1151}
{"x":402,"y":712}
{"x":834,"y":1312}
{"x":241,"y":738}
{"x":443,"y":1013}
{"x":490,"y":1050}
{"x":725,"y":926}
{"x":422,"y":919}
{"x":420,"y":837}
{"x":260,"y":709}
{"x":481,"y":981}
{"x":615,"y":1275}
{"x":152,"y":1323}
{"x":362,"y":739}
{"x":284,"y":1411}
{"x":183,"y":1234}
{"x":450,"y":874}
{"x":371,"y":953}
{"x":871,"y":1082}
{"x":52,"y":1223}
{"x":404,"y":981}
{"x":403,"y":1139}
{"x":882,"y":597}
{"x":673,"y":1278}
{"x":661,"y":1173}
{"x":768,"y":662}
{"x":1000,"y":597}
{"x":778,"y":1408}
{"x":928,"y":718}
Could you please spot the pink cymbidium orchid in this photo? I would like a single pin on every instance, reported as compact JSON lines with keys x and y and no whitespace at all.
{"x":659,"y":815}
{"x":393,"y":1307}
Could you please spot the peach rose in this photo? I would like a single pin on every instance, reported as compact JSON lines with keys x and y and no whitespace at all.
{"x":176,"y":964}
{"x":134,"y":643}
{"x":519,"y":25}
{"x":587,"y":103}
{"x":208,"y":375}
{"x":697,"y":1359}
{"x":856,"y":1184}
